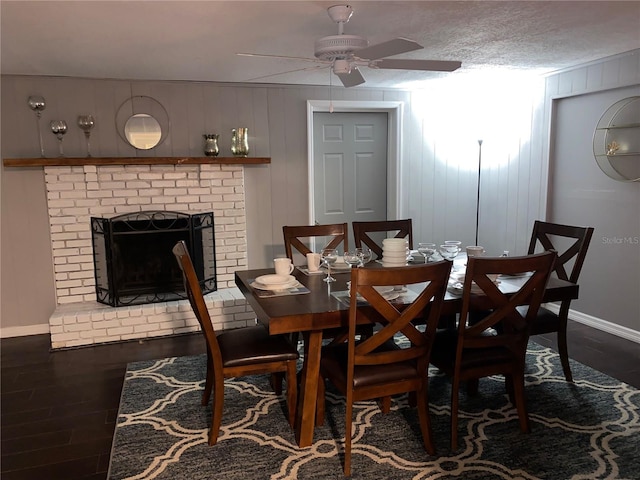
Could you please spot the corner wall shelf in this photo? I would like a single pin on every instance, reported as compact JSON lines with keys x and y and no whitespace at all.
{"x":73,"y":162}
{"x":616,"y":141}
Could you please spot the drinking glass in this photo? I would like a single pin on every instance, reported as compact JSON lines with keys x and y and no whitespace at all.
{"x":364,"y":254}
{"x":427,"y":249}
{"x":329,"y":257}
{"x":449,"y":252}
{"x":457,"y":243}
{"x":352,"y":258}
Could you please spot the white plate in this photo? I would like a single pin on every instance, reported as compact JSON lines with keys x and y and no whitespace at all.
{"x":392,"y":295}
{"x":392,"y":263}
{"x":457,"y":287}
{"x":340,"y":265}
{"x":516,"y":275}
{"x":382,"y":290}
{"x":274,"y":280}
{"x":281,"y":286}
{"x":398,"y":254}
{"x":395,"y":241}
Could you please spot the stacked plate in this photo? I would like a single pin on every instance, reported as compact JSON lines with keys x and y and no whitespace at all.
{"x":394,"y":252}
{"x":456,"y":283}
{"x":387,"y":292}
{"x":274,"y":282}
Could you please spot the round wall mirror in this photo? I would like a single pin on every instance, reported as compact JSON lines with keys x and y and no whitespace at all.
{"x":142,"y":122}
{"x":142,"y":131}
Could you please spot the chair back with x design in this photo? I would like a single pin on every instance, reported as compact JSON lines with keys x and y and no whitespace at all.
{"x":300,"y":238}
{"x":364,"y":233}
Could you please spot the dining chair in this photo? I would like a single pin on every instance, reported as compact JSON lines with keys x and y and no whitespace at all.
{"x":365,"y":233}
{"x":497,"y":343}
{"x":378,"y":367}
{"x":301,"y":238}
{"x":571,"y":244}
{"x":236,"y":353}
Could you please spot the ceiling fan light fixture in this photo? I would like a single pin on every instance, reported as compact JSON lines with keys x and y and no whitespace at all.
{"x":341,"y":66}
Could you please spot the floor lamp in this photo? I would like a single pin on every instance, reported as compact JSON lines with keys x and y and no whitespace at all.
{"x":478,"y":192}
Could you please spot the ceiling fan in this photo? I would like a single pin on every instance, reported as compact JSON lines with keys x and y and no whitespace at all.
{"x":345,"y":53}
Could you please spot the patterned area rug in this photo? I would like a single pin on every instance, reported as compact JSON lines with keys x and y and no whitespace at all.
{"x":587,"y":430}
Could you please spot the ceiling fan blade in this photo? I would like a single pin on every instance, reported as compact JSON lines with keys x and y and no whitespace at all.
{"x":407,"y":64}
{"x":352,"y":78}
{"x":388,"y":49}
{"x":306,"y":59}
{"x":315,"y":67}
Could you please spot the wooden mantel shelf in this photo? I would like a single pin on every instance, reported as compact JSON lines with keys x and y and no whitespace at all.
{"x":73,"y":162}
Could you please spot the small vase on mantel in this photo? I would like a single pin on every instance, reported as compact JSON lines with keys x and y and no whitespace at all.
{"x":240,"y":142}
{"x":211,"y":144}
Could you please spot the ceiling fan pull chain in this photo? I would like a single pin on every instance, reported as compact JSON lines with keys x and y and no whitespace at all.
{"x":330,"y":90}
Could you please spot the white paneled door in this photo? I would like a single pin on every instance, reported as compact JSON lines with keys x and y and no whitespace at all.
{"x":350,"y":167}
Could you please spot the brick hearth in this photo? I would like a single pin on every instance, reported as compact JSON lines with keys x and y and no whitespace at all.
{"x":77,"y":193}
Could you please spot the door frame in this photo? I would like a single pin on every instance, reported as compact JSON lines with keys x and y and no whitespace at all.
{"x":394,"y":112}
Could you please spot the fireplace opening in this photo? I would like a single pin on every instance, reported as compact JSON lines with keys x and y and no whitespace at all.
{"x":133,"y":261}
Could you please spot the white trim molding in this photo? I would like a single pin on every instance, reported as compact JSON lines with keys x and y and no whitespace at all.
{"x":24,"y":331}
{"x":394,"y":146}
{"x":599,"y":324}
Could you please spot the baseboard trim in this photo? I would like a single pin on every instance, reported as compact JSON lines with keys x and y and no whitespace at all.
{"x":23,"y":331}
{"x":589,"y":320}
{"x":598,"y":323}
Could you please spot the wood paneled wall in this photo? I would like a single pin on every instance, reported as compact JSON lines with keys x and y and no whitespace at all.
{"x":435,"y":190}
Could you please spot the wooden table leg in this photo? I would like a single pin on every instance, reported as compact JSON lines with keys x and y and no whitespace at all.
{"x":306,"y":411}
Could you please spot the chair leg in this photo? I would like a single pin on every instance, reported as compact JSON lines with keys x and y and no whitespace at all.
{"x":217,"y":407}
{"x":347,"y":436}
{"x":412,"y":399}
{"x":208,"y":384}
{"x":425,"y":421}
{"x":276,"y":382}
{"x":508,"y":383}
{"x":564,"y":353}
{"x":292,"y":392}
{"x":518,"y":387}
{"x":385,"y":404}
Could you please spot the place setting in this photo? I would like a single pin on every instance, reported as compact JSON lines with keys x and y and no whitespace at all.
{"x":388,"y":292}
{"x":279,"y":283}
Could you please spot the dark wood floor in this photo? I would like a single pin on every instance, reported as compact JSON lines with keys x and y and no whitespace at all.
{"x":59,"y":408}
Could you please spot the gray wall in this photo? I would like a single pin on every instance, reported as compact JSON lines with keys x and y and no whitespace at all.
{"x":438,"y":163}
{"x":584,"y":195}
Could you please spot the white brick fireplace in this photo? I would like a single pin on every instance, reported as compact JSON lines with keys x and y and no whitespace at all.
{"x":77,"y":193}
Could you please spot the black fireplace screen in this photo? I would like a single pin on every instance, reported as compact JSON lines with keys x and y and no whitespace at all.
{"x":133,"y":260}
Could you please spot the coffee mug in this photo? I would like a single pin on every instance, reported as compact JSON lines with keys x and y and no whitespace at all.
{"x":313,"y":262}
{"x":475,"y":251}
{"x":283,"y":266}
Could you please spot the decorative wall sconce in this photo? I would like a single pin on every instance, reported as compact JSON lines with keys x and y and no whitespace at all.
{"x":37,"y":104}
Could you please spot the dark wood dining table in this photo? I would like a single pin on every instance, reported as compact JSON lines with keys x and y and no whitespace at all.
{"x":314,"y":312}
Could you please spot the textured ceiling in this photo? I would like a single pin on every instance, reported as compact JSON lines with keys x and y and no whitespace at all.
{"x":198,"y":40}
